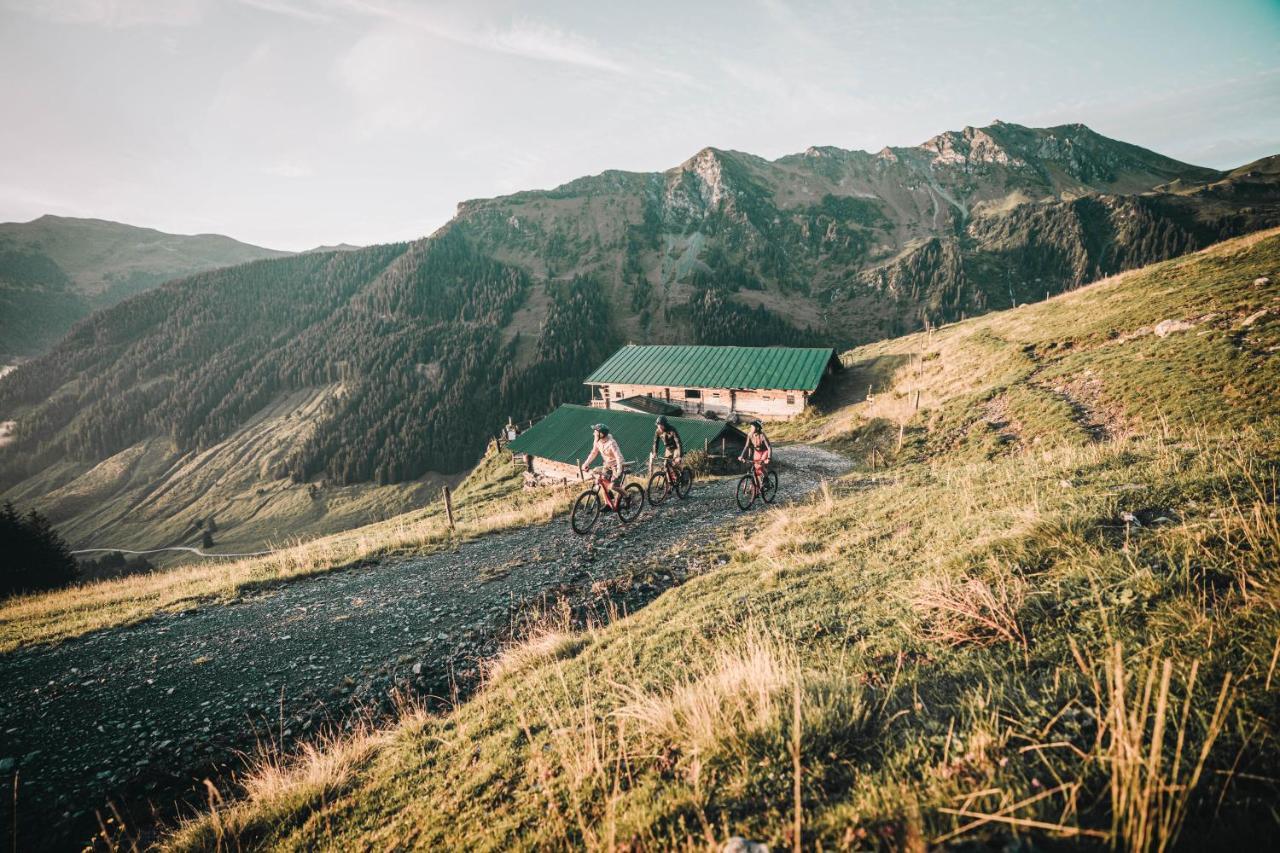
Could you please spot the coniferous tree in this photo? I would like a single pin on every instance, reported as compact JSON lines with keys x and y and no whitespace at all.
{"x":35,"y":557}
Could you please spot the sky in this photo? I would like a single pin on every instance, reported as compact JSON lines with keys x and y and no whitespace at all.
{"x":295,"y":123}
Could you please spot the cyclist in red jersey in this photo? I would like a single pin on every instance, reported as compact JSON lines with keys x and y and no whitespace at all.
{"x":758,"y":449}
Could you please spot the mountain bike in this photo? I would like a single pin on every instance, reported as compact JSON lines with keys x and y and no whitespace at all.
{"x":663,"y":483}
{"x":588,"y":506}
{"x":756,"y":483}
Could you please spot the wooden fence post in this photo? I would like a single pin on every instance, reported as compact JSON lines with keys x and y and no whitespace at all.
{"x":901,"y":428}
{"x":581,"y":478}
{"x":448,"y":505}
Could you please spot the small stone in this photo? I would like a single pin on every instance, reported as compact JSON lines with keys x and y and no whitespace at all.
{"x":1261,"y":281}
{"x":1253,"y":318}
{"x":1167,"y":327}
{"x":417,"y":668}
{"x":6,"y":764}
{"x":738,"y":844}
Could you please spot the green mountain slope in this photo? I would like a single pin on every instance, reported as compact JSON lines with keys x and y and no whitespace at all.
{"x":418,"y":353}
{"x":1042,"y":615}
{"x":55,"y":270}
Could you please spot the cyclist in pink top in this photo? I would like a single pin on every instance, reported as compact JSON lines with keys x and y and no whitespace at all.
{"x":606,"y":447}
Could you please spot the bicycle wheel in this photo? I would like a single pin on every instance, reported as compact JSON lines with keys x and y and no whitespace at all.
{"x":586,"y":509}
{"x":684,"y":482}
{"x":659,"y":488}
{"x":631,"y":502}
{"x":746,"y":492}
{"x":769,"y":488}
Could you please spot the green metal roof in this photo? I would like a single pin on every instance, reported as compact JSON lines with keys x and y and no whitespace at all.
{"x":781,"y":368}
{"x":565,"y":434}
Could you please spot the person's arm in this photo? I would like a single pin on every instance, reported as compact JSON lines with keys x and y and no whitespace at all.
{"x":595,"y":449}
{"x":768,"y":448}
{"x":679,"y":443}
{"x":657,"y":439}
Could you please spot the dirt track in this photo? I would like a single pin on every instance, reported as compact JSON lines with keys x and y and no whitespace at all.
{"x":139,"y":716}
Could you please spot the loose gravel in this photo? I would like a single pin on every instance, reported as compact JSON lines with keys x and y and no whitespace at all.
{"x":127,"y":722}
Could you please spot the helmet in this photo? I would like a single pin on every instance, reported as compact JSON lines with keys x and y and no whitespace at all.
{"x":662,"y":421}
{"x":600,"y":428}
{"x":759,"y":426}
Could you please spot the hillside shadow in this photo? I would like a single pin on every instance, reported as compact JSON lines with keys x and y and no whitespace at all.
{"x":851,"y":384}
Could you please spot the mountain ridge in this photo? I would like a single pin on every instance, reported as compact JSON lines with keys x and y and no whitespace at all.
{"x":56,"y":270}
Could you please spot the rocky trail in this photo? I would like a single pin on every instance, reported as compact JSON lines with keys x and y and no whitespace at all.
{"x":137,"y":718}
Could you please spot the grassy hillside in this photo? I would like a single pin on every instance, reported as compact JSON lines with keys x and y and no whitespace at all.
{"x":1049,"y":618}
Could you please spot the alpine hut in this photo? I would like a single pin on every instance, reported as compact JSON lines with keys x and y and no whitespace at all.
{"x":758,"y":382}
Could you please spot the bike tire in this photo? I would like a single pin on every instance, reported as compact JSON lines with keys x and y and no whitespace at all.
{"x":683,"y":483}
{"x":769,"y":488}
{"x":631,"y":503}
{"x":746,"y":494}
{"x":658,"y":488}
{"x":586,"y":509}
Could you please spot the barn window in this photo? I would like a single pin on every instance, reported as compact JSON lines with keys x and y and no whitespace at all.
{"x":765,"y":397}
{"x":715,"y":394}
{"x":617,"y":393}
{"x":791,"y":399}
{"x":692,"y":394}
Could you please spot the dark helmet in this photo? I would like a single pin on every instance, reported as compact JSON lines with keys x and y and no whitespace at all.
{"x":759,"y":426}
{"x":662,"y":421}
{"x":600,"y":428}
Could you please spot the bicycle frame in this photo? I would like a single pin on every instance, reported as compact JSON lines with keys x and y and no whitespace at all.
{"x":606,"y":492}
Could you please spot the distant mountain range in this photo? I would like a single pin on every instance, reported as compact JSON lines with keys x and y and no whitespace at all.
{"x":56,"y":270}
{"x":378,"y":365}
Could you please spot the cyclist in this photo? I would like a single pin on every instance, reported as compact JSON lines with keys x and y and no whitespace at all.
{"x":757,"y":447}
{"x":665,"y":434}
{"x":606,"y":446}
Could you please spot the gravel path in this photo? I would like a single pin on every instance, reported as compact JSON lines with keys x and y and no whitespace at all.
{"x":139,"y":716}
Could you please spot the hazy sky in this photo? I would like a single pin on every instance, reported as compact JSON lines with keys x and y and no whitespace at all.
{"x":290,"y":123}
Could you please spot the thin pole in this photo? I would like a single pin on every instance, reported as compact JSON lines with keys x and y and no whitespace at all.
{"x":448,"y":505}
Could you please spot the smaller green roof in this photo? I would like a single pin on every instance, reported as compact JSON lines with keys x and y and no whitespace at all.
{"x":775,"y":368}
{"x":565,"y":434}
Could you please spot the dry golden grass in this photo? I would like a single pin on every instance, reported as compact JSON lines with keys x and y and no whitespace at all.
{"x":972,"y":610}
{"x":280,"y":785}
{"x":736,"y":688}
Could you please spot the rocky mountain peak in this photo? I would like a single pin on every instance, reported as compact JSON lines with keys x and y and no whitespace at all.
{"x":969,"y":146}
